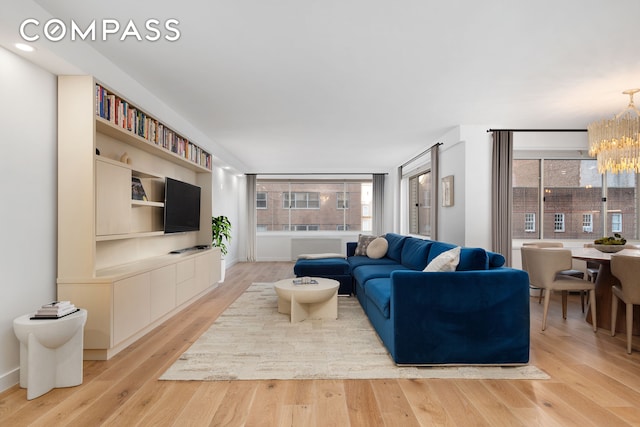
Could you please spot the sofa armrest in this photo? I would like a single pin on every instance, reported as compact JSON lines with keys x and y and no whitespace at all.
{"x":476,"y":317}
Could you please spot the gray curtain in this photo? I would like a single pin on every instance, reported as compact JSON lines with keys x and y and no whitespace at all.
{"x":252,"y":224}
{"x":378,"y":204}
{"x":435,"y":181}
{"x":501,"y":193}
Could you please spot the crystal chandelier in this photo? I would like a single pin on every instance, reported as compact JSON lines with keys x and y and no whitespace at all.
{"x":616,"y":142}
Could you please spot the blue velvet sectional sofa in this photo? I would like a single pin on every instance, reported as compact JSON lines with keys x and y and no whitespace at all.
{"x":478,"y":314}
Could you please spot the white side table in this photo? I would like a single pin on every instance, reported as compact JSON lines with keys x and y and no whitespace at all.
{"x":309,"y":301}
{"x":50,"y":352}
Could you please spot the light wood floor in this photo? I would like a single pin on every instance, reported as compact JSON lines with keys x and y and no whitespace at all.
{"x":593,"y":383}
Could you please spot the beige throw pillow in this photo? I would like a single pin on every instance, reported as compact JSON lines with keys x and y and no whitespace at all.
{"x":377,"y":248}
{"x":446,"y":261}
{"x":363,"y":242}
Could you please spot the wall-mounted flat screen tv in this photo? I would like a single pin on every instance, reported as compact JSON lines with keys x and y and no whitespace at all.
{"x":181,"y":206}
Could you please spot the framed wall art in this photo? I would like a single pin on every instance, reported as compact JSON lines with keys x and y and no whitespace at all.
{"x":447,"y":191}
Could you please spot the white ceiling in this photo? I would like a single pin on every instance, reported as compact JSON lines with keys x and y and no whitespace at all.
{"x":364,"y":85}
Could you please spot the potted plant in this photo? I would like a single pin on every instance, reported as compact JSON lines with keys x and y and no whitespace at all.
{"x":221,"y":231}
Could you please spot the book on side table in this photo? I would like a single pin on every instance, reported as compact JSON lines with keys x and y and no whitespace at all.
{"x":55,"y":310}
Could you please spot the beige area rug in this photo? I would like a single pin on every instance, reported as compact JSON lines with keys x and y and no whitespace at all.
{"x":252,"y":341}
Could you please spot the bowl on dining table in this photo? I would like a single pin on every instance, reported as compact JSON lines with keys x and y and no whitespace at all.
{"x":610,"y":249}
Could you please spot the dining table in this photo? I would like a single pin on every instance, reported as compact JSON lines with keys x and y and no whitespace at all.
{"x":605,"y":280}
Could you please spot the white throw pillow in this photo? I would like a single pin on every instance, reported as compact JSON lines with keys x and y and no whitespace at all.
{"x":377,"y":248}
{"x":363,"y":242}
{"x":446,"y":261}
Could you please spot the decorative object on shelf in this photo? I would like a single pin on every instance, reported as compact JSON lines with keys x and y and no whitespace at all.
{"x":616,"y":142}
{"x":137,"y":190}
{"x":611,"y":244}
{"x":125,"y":158}
{"x":447,"y":191}
{"x":221,"y":230}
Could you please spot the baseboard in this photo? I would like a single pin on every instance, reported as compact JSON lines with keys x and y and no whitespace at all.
{"x":9,"y":379}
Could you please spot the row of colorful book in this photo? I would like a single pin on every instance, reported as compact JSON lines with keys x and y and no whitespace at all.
{"x":124,"y":115}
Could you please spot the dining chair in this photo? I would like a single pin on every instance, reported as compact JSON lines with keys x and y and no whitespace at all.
{"x":543,"y":266}
{"x":569,"y":272}
{"x":626,"y":268}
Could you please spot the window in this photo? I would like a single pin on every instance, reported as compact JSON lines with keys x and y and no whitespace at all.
{"x":558,"y":223}
{"x":262,"y":227}
{"x":313,"y":205}
{"x":530,"y":222}
{"x":301,"y":200}
{"x":342,"y":200}
{"x":420,"y":204}
{"x":587,"y":223}
{"x":301,"y":227}
{"x":261,"y":200}
{"x":616,"y":223}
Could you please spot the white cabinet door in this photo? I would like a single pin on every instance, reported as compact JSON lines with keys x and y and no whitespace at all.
{"x":163,"y":291}
{"x":113,"y":199}
{"x":203,"y":271}
{"x":131,"y":306}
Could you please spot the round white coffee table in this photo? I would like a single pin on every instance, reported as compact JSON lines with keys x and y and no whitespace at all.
{"x":308,"y":301}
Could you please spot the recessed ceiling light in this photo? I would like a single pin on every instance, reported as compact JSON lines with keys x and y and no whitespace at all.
{"x":25,"y":47}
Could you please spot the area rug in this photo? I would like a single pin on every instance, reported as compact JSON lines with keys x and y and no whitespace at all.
{"x":252,"y":341}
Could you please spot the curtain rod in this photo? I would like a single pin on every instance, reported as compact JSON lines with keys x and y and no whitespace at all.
{"x":536,"y":130}
{"x":419,"y":155}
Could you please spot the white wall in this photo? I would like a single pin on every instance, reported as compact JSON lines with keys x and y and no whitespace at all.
{"x":465,"y":153}
{"x":28,"y":215}
{"x":226,"y":200}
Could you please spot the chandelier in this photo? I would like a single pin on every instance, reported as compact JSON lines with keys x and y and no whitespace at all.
{"x":616,"y":142}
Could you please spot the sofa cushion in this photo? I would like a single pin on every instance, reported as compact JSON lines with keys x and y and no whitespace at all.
{"x":437,"y":248}
{"x":379,"y":293}
{"x":363,"y":241}
{"x":470,"y":258}
{"x":473,"y":259}
{"x":377,"y":248}
{"x":495,"y":259}
{"x":446,"y":261}
{"x":396,"y":242}
{"x":321,"y":267}
{"x":357,"y":261}
{"x":414,"y":253}
{"x":368,"y":272}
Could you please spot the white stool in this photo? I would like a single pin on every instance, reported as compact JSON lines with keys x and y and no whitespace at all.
{"x":50,"y":352}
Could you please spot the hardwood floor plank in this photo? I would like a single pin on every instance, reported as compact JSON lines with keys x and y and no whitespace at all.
{"x":494,"y":411}
{"x":458,"y":407}
{"x":593,"y":381}
{"x":425,"y":406}
{"x":203,"y":405}
{"x":331,"y":406}
{"x":361,"y":403}
{"x":394,"y":407}
{"x":266,"y":408}
{"x":235,"y":405}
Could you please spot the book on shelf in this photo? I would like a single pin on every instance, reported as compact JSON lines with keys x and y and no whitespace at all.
{"x":120,"y":113}
{"x":137,"y":190}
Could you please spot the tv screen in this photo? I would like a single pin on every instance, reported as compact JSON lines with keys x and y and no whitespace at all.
{"x":181,"y":206}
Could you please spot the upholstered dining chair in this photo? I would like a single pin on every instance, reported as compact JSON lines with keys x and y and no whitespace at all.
{"x":543,"y":266}
{"x":569,"y":272}
{"x":627,"y":269}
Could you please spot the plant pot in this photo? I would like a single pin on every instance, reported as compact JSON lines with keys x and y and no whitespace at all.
{"x":223,"y":266}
